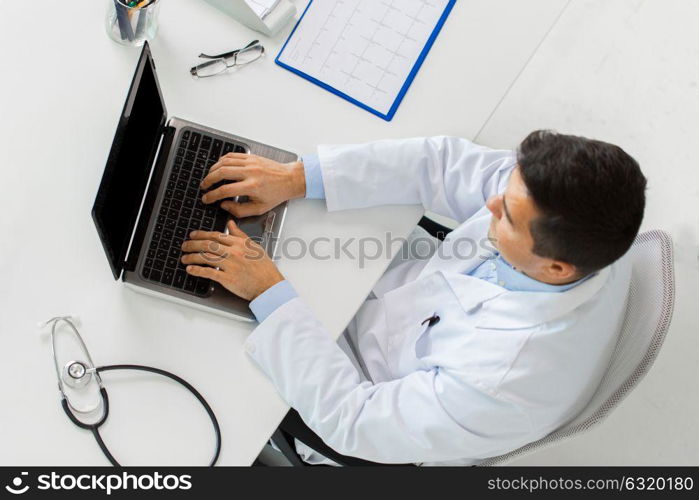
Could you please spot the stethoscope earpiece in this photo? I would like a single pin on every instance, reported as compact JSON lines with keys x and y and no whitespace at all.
{"x":73,"y":318}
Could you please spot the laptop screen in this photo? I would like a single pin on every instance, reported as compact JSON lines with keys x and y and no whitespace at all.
{"x":129,"y":165}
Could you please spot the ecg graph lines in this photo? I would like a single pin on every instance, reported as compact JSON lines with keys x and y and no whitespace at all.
{"x":396,"y":52}
{"x":365,"y":11}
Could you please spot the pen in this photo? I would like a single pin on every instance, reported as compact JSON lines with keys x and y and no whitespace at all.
{"x":133,"y":7}
{"x":123,"y":20}
{"x":142,"y":16}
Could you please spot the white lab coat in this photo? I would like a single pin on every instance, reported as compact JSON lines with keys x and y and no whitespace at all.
{"x":500,"y":369}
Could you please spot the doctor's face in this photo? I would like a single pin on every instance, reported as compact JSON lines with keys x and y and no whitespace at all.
{"x":513,"y":211}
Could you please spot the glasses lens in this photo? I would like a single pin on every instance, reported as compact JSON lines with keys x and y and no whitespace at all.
{"x":246,"y":56}
{"x":210,"y":68}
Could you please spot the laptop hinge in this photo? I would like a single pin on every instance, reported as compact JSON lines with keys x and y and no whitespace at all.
{"x":149,"y":201}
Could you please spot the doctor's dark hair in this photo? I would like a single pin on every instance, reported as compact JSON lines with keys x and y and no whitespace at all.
{"x":591,"y":196}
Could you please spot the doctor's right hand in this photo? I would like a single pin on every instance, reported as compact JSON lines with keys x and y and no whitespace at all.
{"x":265,"y":182}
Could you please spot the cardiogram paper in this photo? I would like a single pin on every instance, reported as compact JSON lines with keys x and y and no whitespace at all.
{"x":365,"y":49}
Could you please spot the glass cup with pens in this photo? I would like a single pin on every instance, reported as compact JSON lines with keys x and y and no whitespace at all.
{"x":132,"y":22}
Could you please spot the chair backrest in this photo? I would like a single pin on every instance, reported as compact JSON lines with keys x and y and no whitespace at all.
{"x":648,"y":313}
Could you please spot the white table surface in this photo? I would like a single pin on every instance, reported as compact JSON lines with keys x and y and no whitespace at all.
{"x":62,"y":88}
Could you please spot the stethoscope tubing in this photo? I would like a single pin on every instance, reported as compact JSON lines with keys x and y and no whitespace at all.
{"x":94,"y":428}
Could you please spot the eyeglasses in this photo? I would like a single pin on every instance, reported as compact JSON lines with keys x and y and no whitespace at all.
{"x":223,"y":62}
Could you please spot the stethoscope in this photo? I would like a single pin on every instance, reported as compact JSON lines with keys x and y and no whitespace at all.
{"x":78,"y":375}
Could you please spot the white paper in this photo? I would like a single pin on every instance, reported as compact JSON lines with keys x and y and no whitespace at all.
{"x":363,"y":48}
{"x":262,"y":7}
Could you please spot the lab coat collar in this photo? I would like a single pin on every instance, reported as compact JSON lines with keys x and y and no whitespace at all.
{"x":463,"y":249}
{"x":502,"y":309}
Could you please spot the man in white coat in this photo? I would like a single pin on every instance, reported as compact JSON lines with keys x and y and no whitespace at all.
{"x":464,"y":355}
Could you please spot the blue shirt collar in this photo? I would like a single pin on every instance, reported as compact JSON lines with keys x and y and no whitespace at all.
{"x":515,"y":281}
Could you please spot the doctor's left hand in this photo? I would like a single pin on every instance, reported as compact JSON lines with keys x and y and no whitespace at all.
{"x":244,"y":268}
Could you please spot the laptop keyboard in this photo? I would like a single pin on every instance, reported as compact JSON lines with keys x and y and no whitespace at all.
{"x":182,"y":212}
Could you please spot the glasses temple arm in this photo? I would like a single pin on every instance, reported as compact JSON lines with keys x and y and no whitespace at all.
{"x":231,"y":53}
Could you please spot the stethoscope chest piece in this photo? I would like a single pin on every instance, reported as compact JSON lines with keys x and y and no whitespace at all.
{"x":77,"y":374}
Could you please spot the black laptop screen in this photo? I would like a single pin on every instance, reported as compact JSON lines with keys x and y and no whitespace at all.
{"x":128,"y":167}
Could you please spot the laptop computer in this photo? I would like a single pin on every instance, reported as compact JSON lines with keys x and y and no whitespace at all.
{"x":149,"y":198}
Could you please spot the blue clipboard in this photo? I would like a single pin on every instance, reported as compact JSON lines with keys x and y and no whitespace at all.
{"x":406,"y":85}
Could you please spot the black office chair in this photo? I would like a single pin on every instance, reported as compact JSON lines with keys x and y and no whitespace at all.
{"x":293,"y":427}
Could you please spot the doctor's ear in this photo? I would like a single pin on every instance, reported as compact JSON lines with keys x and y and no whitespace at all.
{"x":562,"y":272}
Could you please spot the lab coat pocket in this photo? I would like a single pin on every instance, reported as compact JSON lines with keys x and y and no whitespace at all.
{"x":423,"y":344}
{"x":415,"y":349}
